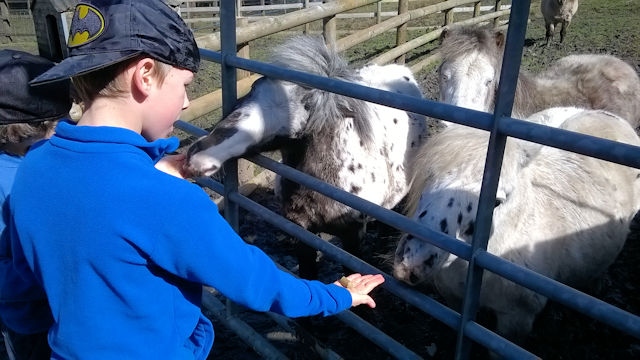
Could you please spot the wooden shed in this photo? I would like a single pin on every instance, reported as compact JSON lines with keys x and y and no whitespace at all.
{"x":51,"y":19}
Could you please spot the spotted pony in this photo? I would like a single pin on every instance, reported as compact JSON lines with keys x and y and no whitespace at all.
{"x":361,"y":147}
{"x":561,"y":214}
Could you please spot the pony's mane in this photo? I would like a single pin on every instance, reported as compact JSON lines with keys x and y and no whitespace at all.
{"x":311,"y":55}
{"x":463,"y":148}
{"x":429,"y":162}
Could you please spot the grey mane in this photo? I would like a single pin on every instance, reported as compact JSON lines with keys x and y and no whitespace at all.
{"x":311,"y":55}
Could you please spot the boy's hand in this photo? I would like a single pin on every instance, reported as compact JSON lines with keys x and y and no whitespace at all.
{"x":360,"y":286}
{"x":173,"y":165}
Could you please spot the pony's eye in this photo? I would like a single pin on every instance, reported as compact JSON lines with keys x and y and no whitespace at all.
{"x":488,"y":82}
{"x":445,"y":75}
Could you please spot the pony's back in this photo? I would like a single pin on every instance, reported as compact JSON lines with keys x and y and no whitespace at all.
{"x":595,"y":81}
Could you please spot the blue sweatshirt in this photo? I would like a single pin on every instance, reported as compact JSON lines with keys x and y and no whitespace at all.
{"x":23,"y":304}
{"x":123,"y":249}
{"x":8,"y":167}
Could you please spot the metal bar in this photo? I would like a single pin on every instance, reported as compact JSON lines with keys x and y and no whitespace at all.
{"x":566,"y":295}
{"x":229,"y":79}
{"x":413,"y":297}
{"x":257,"y":342}
{"x":229,"y":90}
{"x":379,"y":338}
{"x":477,"y":119}
{"x":386,"y":216}
{"x":588,"y":145}
{"x":584,"y":144}
{"x":495,"y":152}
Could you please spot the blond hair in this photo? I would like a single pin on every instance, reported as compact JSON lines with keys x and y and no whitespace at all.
{"x":24,"y":134}
{"x":109,"y":82}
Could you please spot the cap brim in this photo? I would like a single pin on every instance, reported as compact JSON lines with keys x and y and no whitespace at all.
{"x":82,"y":64}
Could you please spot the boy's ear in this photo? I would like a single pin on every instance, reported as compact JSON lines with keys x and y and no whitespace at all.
{"x":143,"y":77}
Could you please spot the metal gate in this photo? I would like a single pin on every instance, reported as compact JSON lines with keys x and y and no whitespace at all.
{"x":499,"y":124}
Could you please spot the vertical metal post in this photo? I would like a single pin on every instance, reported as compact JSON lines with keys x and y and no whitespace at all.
{"x":495,"y":151}
{"x":228,"y":48}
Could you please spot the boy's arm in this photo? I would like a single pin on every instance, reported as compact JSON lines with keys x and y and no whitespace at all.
{"x":200,"y":246}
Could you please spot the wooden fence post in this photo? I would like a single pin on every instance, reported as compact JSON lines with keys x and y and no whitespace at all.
{"x":401,"y":31}
{"x":496,"y":21}
{"x":378,"y":12}
{"x":5,"y":23}
{"x":243,"y":50}
{"x":329,"y":29}
{"x":306,"y":25}
{"x":476,"y":9}
{"x":448,"y":17}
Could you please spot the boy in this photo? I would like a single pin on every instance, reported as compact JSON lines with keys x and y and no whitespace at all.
{"x":123,"y":249}
{"x":27,"y":115}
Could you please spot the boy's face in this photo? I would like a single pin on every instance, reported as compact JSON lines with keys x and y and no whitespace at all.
{"x":166,"y":102}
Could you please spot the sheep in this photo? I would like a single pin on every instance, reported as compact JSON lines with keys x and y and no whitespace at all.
{"x":557,"y":12}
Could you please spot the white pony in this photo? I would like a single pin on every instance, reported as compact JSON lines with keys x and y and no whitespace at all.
{"x":470,"y":71}
{"x":357,"y":146}
{"x":561,"y":214}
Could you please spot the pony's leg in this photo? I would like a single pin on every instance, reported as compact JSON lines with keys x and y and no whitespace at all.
{"x":350,"y":235}
{"x":351,"y":238}
{"x":563,"y":30}
{"x":307,"y":261}
{"x":549,"y":34}
{"x":516,"y":323}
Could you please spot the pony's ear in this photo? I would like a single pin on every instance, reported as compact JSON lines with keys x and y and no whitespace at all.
{"x":499,"y":38}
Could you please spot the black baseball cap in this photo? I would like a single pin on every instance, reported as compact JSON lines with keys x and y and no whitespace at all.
{"x":21,"y":103}
{"x":104,"y":33}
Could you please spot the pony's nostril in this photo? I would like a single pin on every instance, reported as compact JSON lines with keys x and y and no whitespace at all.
{"x":429,"y":262}
{"x":413,"y":279}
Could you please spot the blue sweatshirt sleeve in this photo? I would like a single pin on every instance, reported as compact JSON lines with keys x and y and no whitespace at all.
{"x":23,"y":303}
{"x":199,"y":245}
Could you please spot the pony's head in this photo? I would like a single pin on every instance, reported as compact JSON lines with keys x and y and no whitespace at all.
{"x":272,"y":109}
{"x":391,"y":77}
{"x":451,"y":211}
{"x":470,"y":68}
{"x":277,"y":109}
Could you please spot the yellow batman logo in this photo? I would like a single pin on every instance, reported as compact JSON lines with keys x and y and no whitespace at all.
{"x":86,"y":25}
